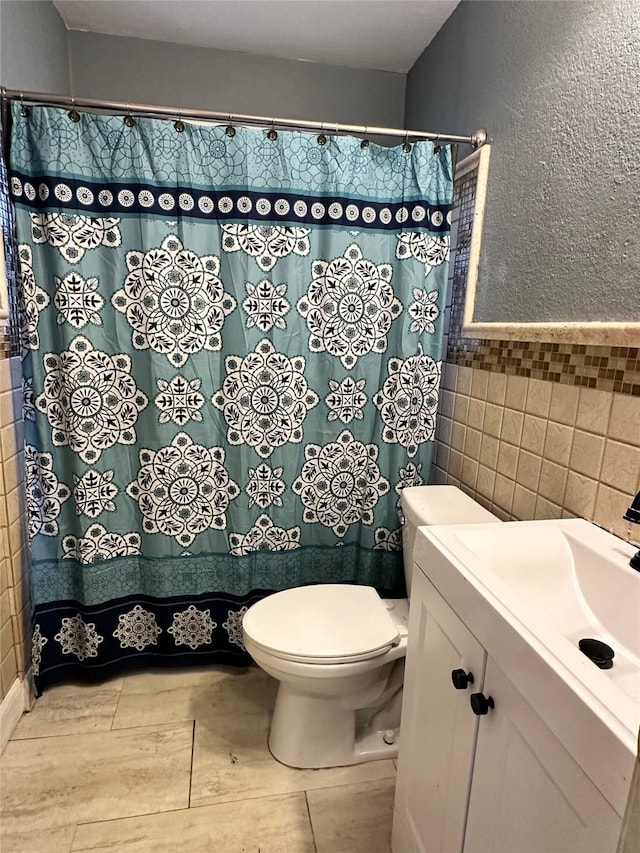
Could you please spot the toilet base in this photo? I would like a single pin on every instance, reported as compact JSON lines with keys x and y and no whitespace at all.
{"x":314,"y":732}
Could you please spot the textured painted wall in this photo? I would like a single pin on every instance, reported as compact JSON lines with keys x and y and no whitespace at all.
{"x":556,"y":84}
{"x":34,"y":55}
{"x":161,"y":73}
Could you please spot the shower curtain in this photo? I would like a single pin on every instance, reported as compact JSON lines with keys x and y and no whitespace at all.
{"x":232,"y":352}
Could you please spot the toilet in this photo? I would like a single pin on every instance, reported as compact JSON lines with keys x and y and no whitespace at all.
{"x":338,"y":652}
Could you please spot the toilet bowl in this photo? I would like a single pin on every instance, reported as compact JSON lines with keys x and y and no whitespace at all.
{"x":338,"y":652}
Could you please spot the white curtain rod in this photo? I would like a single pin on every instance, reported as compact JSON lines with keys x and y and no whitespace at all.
{"x":476,"y":140}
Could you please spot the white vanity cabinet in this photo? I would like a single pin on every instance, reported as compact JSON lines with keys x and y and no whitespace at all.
{"x":528,"y":794}
{"x":496,"y":783}
{"x":438,"y":731}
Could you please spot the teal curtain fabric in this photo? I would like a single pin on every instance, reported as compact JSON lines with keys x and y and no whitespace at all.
{"x":232,"y":363}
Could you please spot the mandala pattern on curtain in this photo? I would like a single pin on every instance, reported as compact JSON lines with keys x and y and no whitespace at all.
{"x":231,"y":368}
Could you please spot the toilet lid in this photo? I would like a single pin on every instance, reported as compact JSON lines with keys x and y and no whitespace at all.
{"x":326,"y":623}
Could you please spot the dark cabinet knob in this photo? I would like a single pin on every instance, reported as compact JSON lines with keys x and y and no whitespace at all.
{"x":461,"y":679}
{"x":480,"y":704}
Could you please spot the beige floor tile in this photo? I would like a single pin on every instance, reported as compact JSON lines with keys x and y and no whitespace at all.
{"x":71,"y":709}
{"x":50,"y":841}
{"x":168,"y":696}
{"x":55,"y":781}
{"x":353,"y":818}
{"x":231,"y":760}
{"x":270,"y":825}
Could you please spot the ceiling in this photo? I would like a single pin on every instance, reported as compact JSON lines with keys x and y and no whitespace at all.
{"x":387,"y":35}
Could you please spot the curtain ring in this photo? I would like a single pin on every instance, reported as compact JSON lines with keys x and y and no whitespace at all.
{"x":406,"y":145}
{"x":73,"y":113}
{"x":365,"y":142}
{"x":24,"y":111}
{"x":322,"y":139}
{"x":230,"y":129}
{"x":178,"y":125}
{"x":129,"y":119}
{"x":273,"y":133}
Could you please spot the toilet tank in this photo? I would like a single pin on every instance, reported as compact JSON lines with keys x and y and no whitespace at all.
{"x":435,"y":505}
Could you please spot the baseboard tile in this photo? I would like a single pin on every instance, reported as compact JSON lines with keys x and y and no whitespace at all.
{"x":12,"y":707}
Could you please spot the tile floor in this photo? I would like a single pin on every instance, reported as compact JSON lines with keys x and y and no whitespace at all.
{"x":178,"y":760}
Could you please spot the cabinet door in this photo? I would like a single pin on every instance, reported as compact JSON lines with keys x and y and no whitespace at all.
{"x":438,"y":730}
{"x":528,"y":794}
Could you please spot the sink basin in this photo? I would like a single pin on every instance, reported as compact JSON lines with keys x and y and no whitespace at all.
{"x":574,"y":574}
{"x":529,"y":591}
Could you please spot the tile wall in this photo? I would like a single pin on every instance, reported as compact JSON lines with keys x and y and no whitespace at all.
{"x":530,"y":448}
{"x":14,"y":589}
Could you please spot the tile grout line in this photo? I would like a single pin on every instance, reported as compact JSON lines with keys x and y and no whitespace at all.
{"x":193,"y":747}
{"x":174,"y":723}
{"x":313,"y":834}
{"x":293,"y":791}
{"x":117,"y":818}
{"x":73,"y":838}
{"x":285,"y":794}
{"x":115,"y":710}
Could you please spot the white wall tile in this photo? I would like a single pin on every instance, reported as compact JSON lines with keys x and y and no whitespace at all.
{"x":564,"y":403}
{"x":621,"y":466}
{"x":447,"y":399}
{"x":463,"y":384}
{"x":524,"y":503}
{"x":552,"y":481}
{"x":624,"y":424}
{"x":586,"y":454}
{"x":485,"y":483}
{"x":546,"y":509}
{"x":503,"y":492}
{"x":461,"y":408}
{"x":489,"y":451}
{"x":580,"y":495}
{"x":538,"y":397}
{"x":469,"y":473}
{"x":492,"y":424}
{"x":512,"y":424}
{"x":472,"y":443}
{"x":594,"y":409}
{"x":557,"y":443}
{"x":533,"y":433}
{"x":533,"y":461}
{"x":516,"y":394}
{"x":479,"y":384}
{"x":507,"y":460}
{"x":458,"y":431}
{"x":475,"y":415}
{"x":528,"y":473}
{"x":610,"y":507}
{"x":497,"y":390}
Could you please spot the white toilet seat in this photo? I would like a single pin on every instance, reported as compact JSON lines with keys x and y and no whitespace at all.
{"x":322,"y":624}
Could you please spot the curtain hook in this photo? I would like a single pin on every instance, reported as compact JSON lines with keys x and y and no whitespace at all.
{"x":322,"y":139}
{"x":365,"y":141}
{"x":129,"y":119}
{"x":24,"y":111}
{"x":178,"y":125}
{"x":230,"y":129}
{"x":73,"y":113}
{"x":273,"y":133}
{"x":406,"y":145}
{"x":437,"y":148}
